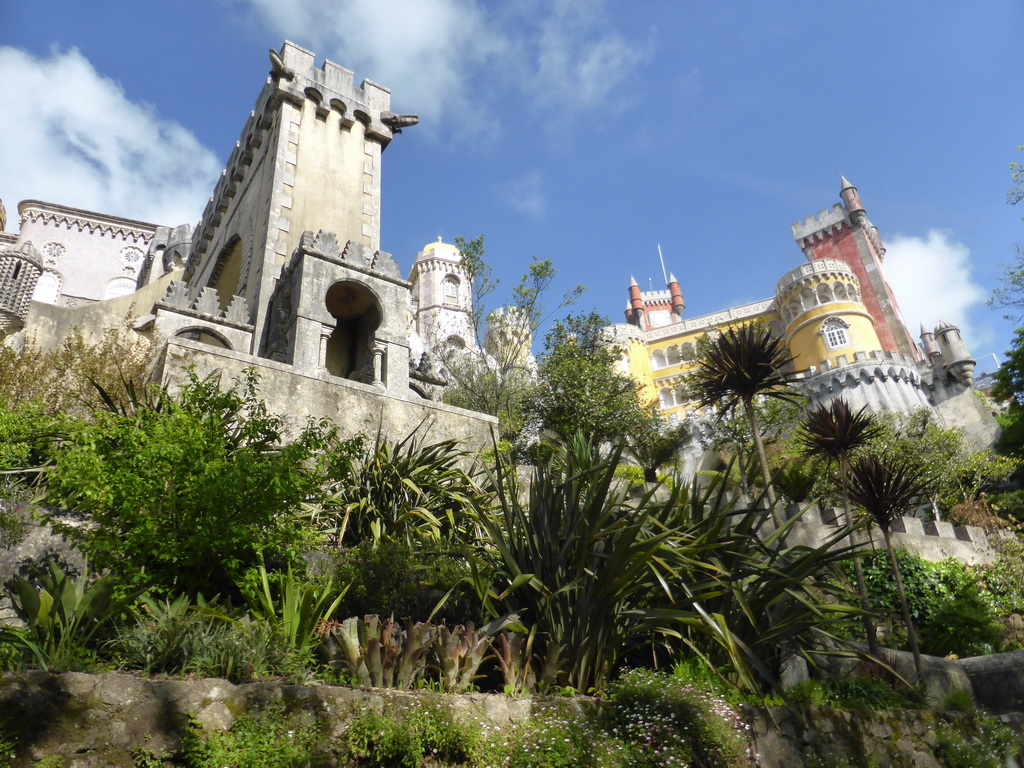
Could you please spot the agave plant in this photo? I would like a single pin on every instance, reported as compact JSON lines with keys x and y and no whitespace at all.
{"x":740,"y":365}
{"x":832,"y":432}
{"x":885,"y":490}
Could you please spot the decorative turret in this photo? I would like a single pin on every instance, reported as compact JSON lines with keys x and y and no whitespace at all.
{"x":20,"y":268}
{"x":931,"y":349}
{"x":635,"y":312}
{"x":677,"y":296}
{"x":957,"y":359}
{"x":850,"y":198}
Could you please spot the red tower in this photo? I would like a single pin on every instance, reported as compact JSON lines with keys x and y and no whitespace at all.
{"x":844,"y":233}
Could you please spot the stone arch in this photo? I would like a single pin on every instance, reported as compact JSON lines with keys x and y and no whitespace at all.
{"x":673,"y":357}
{"x":339,"y":106}
{"x":205,"y":335}
{"x":314,"y":95}
{"x":228,"y":272}
{"x":841,"y":292}
{"x":824,"y":292}
{"x":687,"y":351}
{"x":362,"y":117}
{"x":657,"y":359}
{"x":357,"y":313}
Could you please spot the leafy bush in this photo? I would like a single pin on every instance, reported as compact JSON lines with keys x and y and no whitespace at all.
{"x":948,"y":603}
{"x":264,"y":739}
{"x":187,"y":492}
{"x":407,"y":490}
{"x":406,"y":737}
{"x":178,"y":638}
{"x":395,"y":578}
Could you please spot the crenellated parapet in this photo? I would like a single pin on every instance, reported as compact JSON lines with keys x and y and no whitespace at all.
{"x":815,"y":284}
{"x":821,"y":224}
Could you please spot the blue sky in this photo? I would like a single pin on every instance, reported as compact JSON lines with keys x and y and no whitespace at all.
{"x":584,"y":131}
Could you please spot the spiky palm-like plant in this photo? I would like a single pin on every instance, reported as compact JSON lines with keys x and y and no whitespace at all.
{"x":885,"y":489}
{"x":832,"y":432}
{"x":738,"y":366}
{"x":653,"y":448}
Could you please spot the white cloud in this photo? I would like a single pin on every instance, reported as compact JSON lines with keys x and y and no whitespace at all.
{"x":526,"y":194}
{"x":451,"y":58}
{"x":71,"y":136}
{"x":931,"y":277}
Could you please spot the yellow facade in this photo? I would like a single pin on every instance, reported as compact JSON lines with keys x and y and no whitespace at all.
{"x":816,"y":310}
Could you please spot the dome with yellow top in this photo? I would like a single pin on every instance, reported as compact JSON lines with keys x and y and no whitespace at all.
{"x":440,"y":250}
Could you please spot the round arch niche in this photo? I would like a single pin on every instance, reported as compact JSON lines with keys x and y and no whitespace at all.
{"x":357,"y":314}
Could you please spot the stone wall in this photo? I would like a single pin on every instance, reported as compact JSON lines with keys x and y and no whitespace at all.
{"x":93,"y":721}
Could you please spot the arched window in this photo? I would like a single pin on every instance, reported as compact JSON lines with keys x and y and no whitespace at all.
{"x":673,"y":355}
{"x":836,"y":333}
{"x":451,"y":290}
{"x":48,"y":288}
{"x":119,"y":286}
{"x":658,"y":359}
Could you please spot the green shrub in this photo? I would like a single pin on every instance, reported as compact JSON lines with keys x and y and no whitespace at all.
{"x":64,"y":617}
{"x":188,"y":492}
{"x":871,"y":694}
{"x":949,"y":604}
{"x":553,"y":740}
{"x":179,"y":638}
{"x":395,"y":578}
{"x":263,"y":739}
{"x":419,"y":730}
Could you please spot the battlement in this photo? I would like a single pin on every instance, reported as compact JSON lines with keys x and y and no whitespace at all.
{"x":823,"y":221}
{"x":330,"y":81}
{"x":928,"y":539}
{"x":816,"y":267}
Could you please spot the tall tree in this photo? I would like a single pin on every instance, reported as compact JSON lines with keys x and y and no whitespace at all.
{"x":885,"y":489}
{"x":496,"y":377}
{"x":579,"y":387}
{"x":832,"y":432}
{"x":740,"y":365}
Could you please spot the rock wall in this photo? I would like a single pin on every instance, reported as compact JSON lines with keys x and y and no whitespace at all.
{"x":97,"y":720}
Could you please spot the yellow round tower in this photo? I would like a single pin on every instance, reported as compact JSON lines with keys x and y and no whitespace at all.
{"x":825,"y":320}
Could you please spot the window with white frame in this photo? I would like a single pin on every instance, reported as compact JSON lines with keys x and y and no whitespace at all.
{"x":451,"y":290}
{"x":836,"y":333}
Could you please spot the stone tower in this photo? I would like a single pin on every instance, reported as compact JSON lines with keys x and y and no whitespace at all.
{"x":309,"y":159}
{"x":20,"y":268}
{"x":843,"y":233}
{"x":442,"y":296}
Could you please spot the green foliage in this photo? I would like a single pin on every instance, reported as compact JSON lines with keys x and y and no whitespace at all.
{"x":752,"y":599}
{"x":949,"y":470}
{"x":1004,"y":579}
{"x":870,"y":693}
{"x":572,"y":559}
{"x":405,"y":738}
{"x":187,"y":492}
{"x":948,"y":603}
{"x":62,"y":615}
{"x":381,"y":653}
{"x":657,"y":445}
{"x":988,"y":745}
{"x":394,"y":578}
{"x":63,"y":381}
{"x":178,"y":638}
{"x":407,"y":490}
{"x":580,"y":388}
{"x":293,"y":609}
{"x":665,"y":721}
{"x":494,"y":377}
{"x":552,"y":740}
{"x":263,"y":739}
